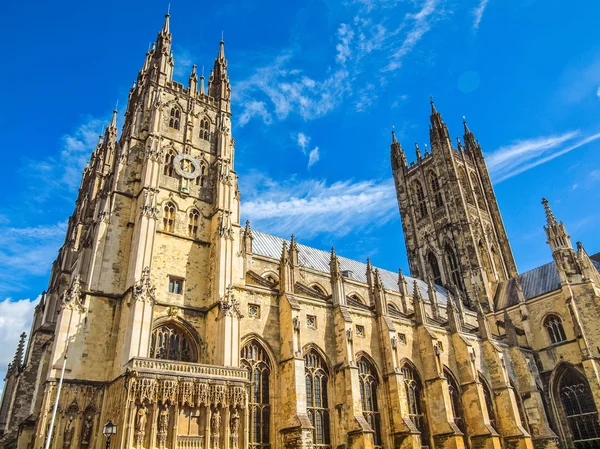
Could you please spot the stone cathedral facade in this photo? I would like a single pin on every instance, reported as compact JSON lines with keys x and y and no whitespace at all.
{"x":191,"y":331}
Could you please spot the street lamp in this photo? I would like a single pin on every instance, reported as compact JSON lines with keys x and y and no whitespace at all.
{"x":109,"y":430}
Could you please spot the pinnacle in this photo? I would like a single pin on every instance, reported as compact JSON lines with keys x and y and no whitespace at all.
{"x":550,"y":218}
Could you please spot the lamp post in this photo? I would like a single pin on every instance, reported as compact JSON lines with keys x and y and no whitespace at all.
{"x":109,"y":430}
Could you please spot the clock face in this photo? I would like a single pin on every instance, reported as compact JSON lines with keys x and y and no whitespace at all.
{"x":186,"y":166}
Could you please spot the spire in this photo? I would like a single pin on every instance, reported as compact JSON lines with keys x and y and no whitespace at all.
{"x":202,"y":82}
{"x":459,"y":145}
{"x":166,"y":26}
{"x":18,"y":360}
{"x":558,"y":239}
{"x":438,"y":130}
{"x":161,"y":54}
{"x":418,"y":151}
{"x":397,"y":154}
{"x":248,"y":237}
{"x":293,"y":251}
{"x":381,"y":306}
{"x":550,"y":219}
{"x":471,"y":144}
{"x":193,"y":81}
{"x":218,"y":83}
{"x":419,"y":306}
{"x":338,"y":294}
{"x":113,"y":121}
{"x":369,"y":273}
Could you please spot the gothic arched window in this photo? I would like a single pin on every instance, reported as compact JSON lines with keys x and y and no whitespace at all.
{"x":168,"y":168}
{"x":368,"y":397}
{"x":555,"y":329}
{"x":317,"y":407}
{"x":489,"y":402}
{"x":414,"y":398}
{"x":201,"y":178}
{"x":455,"y":401}
{"x":169,"y":217}
{"x":255,"y":359}
{"x":436,"y":189}
{"x":175,"y":117}
{"x":420,"y":200}
{"x":170,"y":342}
{"x":454,"y":268}
{"x":462,"y":178}
{"x":193,"y":219}
{"x":435,"y":268}
{"x":478,"y":192}
{"x":579,"y":407}
{"x":204,"y":129}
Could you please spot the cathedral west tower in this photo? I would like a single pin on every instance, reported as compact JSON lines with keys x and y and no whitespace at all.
{"x":452,"y":225}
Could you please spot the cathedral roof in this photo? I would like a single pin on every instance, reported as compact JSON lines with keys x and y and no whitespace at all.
{"x":270,"y":246}
{"x":536,"y":282}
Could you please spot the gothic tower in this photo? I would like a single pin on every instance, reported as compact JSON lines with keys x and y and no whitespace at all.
{"x":452,"y":225}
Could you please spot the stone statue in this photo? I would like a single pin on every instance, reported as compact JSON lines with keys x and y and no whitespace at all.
{"x":234,"y":426}
{"x":69,"y":431}
{"x":86,"y":433}
{"x":140,"y":425}
{"x":215,"y":428}
{"x":163,"y":420}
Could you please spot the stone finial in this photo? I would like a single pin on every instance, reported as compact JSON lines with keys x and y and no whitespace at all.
{"x":454,"y":318}
{"x":550,"y":218}
{"x":419,"y":306}
{"x":418,"y":152}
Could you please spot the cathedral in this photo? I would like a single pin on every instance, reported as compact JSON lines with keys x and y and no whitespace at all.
{"x":189,"y":330}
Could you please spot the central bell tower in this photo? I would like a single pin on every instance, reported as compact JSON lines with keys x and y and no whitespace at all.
{"x":452,"y":226}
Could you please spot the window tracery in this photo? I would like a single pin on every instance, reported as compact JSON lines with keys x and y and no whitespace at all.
{"x":169,"y":217}
{"x":317,"y":377}
{"x":255,"y":359}
{"x":579,"y":407}
{"x":435,"y":268}
{"x":170,"y":342}
{"x":454,"y":268}
{"x":434,"y":183}
{"x":168,"y":167}
{"x":204,"y":129}
{"x":193,"y":220}
{"x":201,"y":178}
{"x":368,"y":397}
{"x":414,"y":397}
{"x":555,"y":328}
{"x":421,"y":206}
{"x":175,"y":118}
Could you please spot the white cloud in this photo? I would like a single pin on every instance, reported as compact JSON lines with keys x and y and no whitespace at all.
{"x":313,"y":157}
{"x":311,"y":207}
{"x":598,"y":92}
{"x":303,"y":141}
{"x":478,"y":13}
{"x":15,"y":318}
{"x":523,"y":155}
{"x":255,"y":108}
{"x":421,"y":25}
{"x":345,"y":35}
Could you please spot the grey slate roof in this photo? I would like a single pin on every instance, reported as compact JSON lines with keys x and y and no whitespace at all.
{"x":270,"y":246}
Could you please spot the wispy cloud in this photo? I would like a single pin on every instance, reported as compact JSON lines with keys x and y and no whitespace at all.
{"x":313,"y":157}
{"x":478,"y":13}
{"x":598,"y":92}
{"x":26,"y":252}
{"x":183,"y":62}
{"x":15,"y":318}
{"x":61,"y":173}
{"x":370,"y":41}
{"x":311,"y":207}
{"x":303,"y":141}
{"x":523,"y":155}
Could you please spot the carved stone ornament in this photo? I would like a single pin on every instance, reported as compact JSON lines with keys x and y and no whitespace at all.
{"x":72,"y":298}
{"x":149,"y":209}
{"x":140,"y":424}
{"x":296,"y":324}
{"x":225,"y":230}
{"x":143,"y":290}
{"x":349,"y":335}
{"x":234,"y":426}
{"x":229,"y":305}
{"x":215,"y":428}
{"x":163,"y":425}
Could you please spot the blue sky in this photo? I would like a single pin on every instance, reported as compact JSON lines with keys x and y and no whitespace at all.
{"x":317,"y":86}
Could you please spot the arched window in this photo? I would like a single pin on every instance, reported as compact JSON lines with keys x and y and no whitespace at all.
{"x":168,"y":168}
{"x":455,"y":401}
{"x":271,"y":278}
{"x":175,"y":117}
{"x":454,"y":268}
{"x":368,"y":397}
{"x":414,"y":398}
{"x":169,"y":217}
{"x":170,"y":342}
{"x":201,"y":178}
{"x":462,"y":177}
{"x":434,"y":268}
{"x":420,"y":200}
{"x":394,"y":310}
{"x":478,"y":192}
{"x":318,"y":289}
{"x":489,"y":402}
{"x":317,"y":406}
{"x":255,"y":359}
{"x":193,"y":219}
{"x":204,"y":129}
{"x":554,"y":325}
{"x":580,"y":410}
{"x":436,"y":189}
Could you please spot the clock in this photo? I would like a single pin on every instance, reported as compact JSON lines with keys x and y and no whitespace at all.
{"x":186,"y":166}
